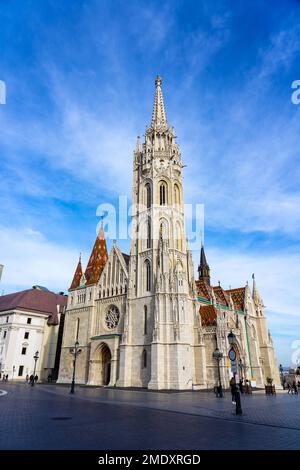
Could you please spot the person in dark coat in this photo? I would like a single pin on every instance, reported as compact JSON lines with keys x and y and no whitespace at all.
{"x":233,"y":388}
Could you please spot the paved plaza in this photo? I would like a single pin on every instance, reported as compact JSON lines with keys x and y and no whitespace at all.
{"x":48,"y":417}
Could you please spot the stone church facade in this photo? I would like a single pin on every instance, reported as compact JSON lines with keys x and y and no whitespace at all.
{"x":142,"y":320}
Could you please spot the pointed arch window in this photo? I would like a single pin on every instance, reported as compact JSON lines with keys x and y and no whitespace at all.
{"x":77,"y":328}
{"x":144,"y":359}
{"x":148,"y":195}
{"x":163,"y":193}
{"x":178,"y":241}
{"x":149,"y":233}
{"x":145,"y":319}
{"x":176,"y":194}
{"x":147,"y":276}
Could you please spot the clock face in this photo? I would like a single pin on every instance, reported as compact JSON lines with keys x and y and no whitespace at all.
{"x":232,"y":354}
{"x":112,"y":317}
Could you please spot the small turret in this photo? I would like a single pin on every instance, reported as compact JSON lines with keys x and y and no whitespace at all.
{"x":203,"y":268}
{"x":77,"y":275}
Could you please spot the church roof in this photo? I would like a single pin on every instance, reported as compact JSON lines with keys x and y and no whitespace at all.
{"x":208,"y":315}
{"x":97,"y":260}
{"x":35,"y":300}
{"x":204,"y":289}
{"x":221,"y":296}
{"x":238,"y":297}
{"x":77,"y":276}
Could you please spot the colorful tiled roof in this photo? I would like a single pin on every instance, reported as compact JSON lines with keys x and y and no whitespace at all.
{"x":98,"y":259}
{"x":35,"y":300}
{"x":77,"y":276}
{"x":208,"y":315}
{"x":238,"y":297}
{"x":221,"y":296}
{"x":204,"y":289}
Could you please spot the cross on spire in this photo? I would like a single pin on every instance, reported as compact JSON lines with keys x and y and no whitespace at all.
{"x":159,"y":118}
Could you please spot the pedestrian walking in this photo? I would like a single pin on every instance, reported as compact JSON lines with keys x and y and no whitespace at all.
{"x":241,"y":385}
{"x":233,"y":389}
{"x":27,"y":378}
{"x":6,"y":378}
{"x":31,"y":379}
{"x":36,"y":379}
{"x":294,"y":387}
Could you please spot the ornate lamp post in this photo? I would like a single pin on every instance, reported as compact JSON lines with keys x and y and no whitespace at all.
{"x":231,"y":338}
{"x":75,"y":351}
{"x":35,"y":357}
{"x":232,"y":341}
{"x":217,"y":355}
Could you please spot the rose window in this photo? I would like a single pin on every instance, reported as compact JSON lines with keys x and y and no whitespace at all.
{"x":112,"y":317}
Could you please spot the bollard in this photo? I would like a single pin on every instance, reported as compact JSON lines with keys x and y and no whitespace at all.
{"x":238,"y":409}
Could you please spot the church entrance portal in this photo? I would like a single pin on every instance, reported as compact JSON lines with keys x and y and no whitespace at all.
{"x":106,"y":364}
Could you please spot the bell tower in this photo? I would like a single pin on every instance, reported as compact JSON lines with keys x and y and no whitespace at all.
{"x":161,"y":309}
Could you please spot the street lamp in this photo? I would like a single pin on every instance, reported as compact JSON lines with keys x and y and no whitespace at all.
{"x":35,"y":357}
{"x":217,"y":355}
{"x":76,"y":351}
{"x":231,"y":338}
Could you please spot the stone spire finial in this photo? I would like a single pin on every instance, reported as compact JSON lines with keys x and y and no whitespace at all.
{"x":159,"y":118}
{"x":255,"y":293}
{"x":138,"y":147}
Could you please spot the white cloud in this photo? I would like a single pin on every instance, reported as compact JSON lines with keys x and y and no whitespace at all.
{"x":29,"y":259}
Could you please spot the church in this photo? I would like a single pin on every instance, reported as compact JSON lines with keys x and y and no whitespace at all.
{"x":142,"y":319}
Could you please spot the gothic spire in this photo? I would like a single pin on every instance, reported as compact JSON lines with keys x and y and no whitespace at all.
{"x":159,"y":118}
{"x":97,"y":259}
{"x":255,"y":293}
{"x":203,"y":268}
{"x":77,"y":275}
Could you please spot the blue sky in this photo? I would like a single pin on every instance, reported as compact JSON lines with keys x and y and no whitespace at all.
{"x":80,"y":83}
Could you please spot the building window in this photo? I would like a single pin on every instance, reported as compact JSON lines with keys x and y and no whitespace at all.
{"x":77,"y":328}
{"x":162,"y":193}
{"x":145,"y":319}
{"x":148,"y":195}
{"x":20,"y":373}
{"x":24,"y":351}
{"x":144,"y":359}
{"x":147,"y":276}
{"x":4,"y":334}
{"x":149,"y":234}
{"x":28,"y":321}
{"x":26,"y":335}
{"x":176,"y":194}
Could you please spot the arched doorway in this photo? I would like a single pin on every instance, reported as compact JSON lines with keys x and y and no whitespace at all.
{"x":106,"y":364}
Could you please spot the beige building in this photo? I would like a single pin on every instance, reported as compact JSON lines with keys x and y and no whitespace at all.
{"x":31,"y":321}
{"x":142,"y":320}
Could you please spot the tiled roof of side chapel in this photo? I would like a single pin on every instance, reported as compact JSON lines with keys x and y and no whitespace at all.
{"x":238,"y":297}
{"x":222,"y":296}
{"x":208,"y":315}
